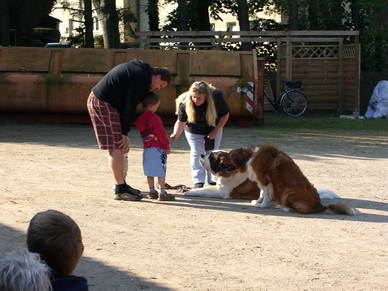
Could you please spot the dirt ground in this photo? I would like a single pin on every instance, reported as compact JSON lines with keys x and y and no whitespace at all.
{"x":202,"y":244}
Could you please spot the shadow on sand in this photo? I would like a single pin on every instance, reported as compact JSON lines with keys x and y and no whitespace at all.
{"x":12,"y":239}
{"x":237,"y":206}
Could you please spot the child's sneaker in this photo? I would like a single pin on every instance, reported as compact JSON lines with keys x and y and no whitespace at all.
{"x":125,"y":192}
{"x":153,"y":194}
{"x":164,"y":196}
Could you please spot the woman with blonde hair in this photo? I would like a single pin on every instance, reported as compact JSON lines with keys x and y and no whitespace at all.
{"x":202,"y":114}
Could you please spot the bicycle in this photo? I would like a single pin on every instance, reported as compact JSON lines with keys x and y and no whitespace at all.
{"x":292,"y":101}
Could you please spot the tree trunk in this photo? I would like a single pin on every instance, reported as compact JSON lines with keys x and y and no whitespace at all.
{"x":324,"y":12}
{"x":89,"y":40}
{"x":243,"y":20}
{"x":183,"y":20}
{"x":200,"y":19}
{"x":153,"y":15}
{"x":243,"y":16}
{"x":292,"y":14}
{"x":4,"y":23}
{"x":110,"y":24}
{"x":355,"y":12}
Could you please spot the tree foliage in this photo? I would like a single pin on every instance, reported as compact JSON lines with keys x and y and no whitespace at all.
{"x":153,"y":15}
{"x":369,"y":17}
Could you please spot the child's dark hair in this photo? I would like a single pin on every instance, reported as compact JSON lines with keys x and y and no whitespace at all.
{"x":57,"y":238}
{"x":150,"y":99}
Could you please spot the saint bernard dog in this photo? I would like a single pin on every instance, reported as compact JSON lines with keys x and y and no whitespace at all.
{"x":281,"y":181}
{"x":232,"y":183}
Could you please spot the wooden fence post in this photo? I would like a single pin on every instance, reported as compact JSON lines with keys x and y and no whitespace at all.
{"x":340,"y":75}
{"x":358,"y":75}
{"x":183,"y":72}
{"x":279,"y":66}
{"x":289,"y":60}
{"x":258,"y":73}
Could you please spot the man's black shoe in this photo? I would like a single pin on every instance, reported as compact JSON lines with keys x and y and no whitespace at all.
{"x":198,"y":185}
{"x":125,"y":192}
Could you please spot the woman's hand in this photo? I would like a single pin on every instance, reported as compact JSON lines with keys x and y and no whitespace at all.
{"x":124,"y":144}
{"x":220,"y":125}
{"x":179,"y":126}
{"x":173,"y":137}
{"x":212,"y":134}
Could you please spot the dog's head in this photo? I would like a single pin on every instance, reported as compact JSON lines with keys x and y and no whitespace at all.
{"x":218,"y":163}
{"x":225,"y":164}
{"x":238,"y":158}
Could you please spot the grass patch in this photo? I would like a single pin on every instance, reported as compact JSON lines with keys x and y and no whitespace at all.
{"x":322,"y":121}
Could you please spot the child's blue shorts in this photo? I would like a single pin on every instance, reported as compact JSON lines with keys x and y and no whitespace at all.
{"x":154,"y":162}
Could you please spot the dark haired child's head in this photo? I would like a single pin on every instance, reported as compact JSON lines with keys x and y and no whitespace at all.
{"x":151,"y":102}
{"x":57,"y":238}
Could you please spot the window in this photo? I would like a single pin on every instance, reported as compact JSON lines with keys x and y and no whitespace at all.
{"x":231,"y":26}
{"x":71,"y":27}
{"x":254,"y":25}
{"x":96,"y":24}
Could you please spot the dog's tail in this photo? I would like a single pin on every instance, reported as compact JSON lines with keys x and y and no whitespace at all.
{"x":338,"y":208}
{"x":343,"y":209}
{"x":327,"y":194}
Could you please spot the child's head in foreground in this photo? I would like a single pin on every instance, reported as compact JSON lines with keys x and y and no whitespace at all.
{"x":151,"y":102}
{"x":57,"y":238}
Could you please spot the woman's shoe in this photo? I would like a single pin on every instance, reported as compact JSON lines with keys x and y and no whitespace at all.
{"x":198,"y":185}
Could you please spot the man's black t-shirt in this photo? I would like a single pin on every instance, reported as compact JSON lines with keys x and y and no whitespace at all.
{"x":201,"y":126}
{"x":124,"y":87}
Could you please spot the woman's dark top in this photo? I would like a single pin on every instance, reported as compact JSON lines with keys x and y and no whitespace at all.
{"x":70,"y":283}
{"x":124,"y":87}
{"x":201,"y":126}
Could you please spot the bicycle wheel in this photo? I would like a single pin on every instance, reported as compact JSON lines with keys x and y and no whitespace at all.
{"x":294,"y":102}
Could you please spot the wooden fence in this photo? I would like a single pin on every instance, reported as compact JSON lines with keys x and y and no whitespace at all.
{"x":330,"y":73}
{"x":328,"y":68}
{"x":218,"y":39}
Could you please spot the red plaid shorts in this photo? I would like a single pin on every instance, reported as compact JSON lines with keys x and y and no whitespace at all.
{"x":106,"y":123}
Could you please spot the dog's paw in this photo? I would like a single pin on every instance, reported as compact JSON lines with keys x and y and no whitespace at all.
{"x":255,"y":202}
{"x":260,"y":204}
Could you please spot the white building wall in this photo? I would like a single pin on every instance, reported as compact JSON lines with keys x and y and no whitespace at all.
{"x":229,"y":20}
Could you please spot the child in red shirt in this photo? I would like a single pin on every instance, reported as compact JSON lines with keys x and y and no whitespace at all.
{"x":156,"y":147}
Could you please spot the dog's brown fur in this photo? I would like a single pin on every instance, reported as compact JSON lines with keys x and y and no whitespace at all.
{"x":291,"y":188}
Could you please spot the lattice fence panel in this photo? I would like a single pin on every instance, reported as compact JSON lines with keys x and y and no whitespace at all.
{"x":349,"y":51}
{"x":315,"y":52}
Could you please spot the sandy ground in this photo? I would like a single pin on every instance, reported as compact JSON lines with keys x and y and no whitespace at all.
{"x":202,"y":244}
